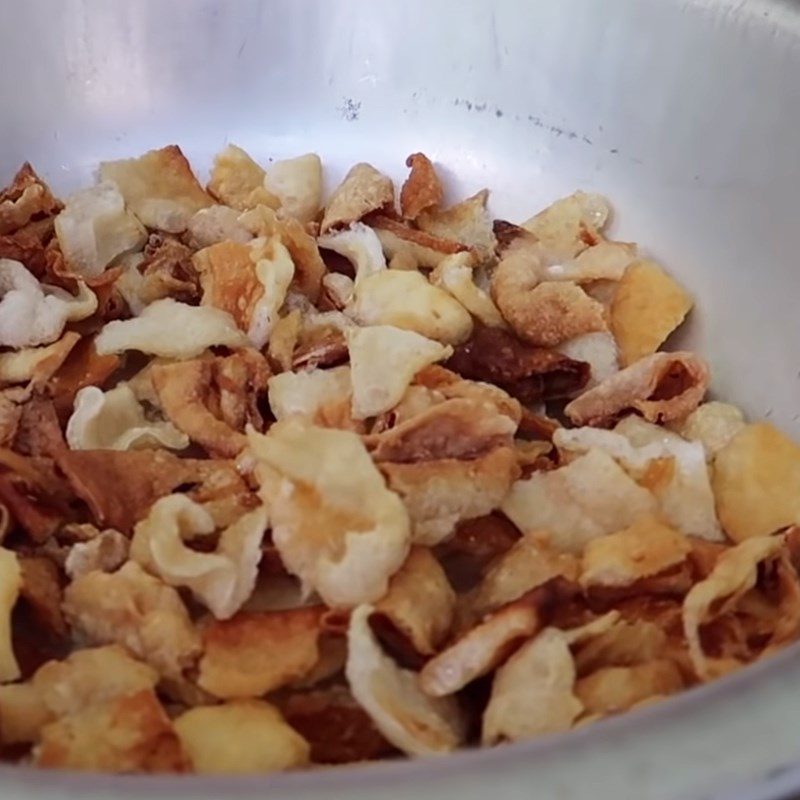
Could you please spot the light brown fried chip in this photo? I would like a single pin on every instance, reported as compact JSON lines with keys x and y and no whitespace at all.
{"x":383,"y":362}
{"x":90,"y":677}
{"x":326,"y":521}
{"x":441,"y":493}
{"x":172,"y":330}
{"x":415,"y":615}
{"x":645,"y":548}
{"x":614,"y":689}
{"x":167,"y":271}
{"x":543,"y":313}
{"x":407,"y":300}
{"x":486,"y":646}
{"x":527,"y":564}
{"x":212,"y":399}
{"x":136,"y":610}
{"x":467,"y":223}
{"x":360,"y":246}
{"x":253,"y":654}
{"x":647,"y":307}
{"x":604,"y":261}
{"x":27,"y":198}
{"x":533,"y":692}
{"x":713,"y":424}
{"x":734,"y":574}
{"x":119,"y":486}
{"x":412,"y":246}
{"x":625,"y":644}
{"x":127,"y":734}
{"x":590,"y":497}
{"x":115,"y":420}
{"x":246,"y":737}
{"x":459,"y":428}
{"x":11,"y":582}
{"x":23,"y":714}
{"x":362,"y":191}
{"x":757,"y":482}
{"x":297,"y":183}
{"x":310,"y":393}
{"x":159,"y":187}
{"x":36,"y":365}
{"x":412,"y":721}
{"x":422,"y":189}
{"x":569,"y":226}
{"x":238,"y":181}
{"x":661,"y":387}
{"x":283,"y":340}
{"x":334,"y":724}
{"x":222,"y":579}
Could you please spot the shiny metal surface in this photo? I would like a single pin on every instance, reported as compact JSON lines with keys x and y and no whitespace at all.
{"x":684,"y":113}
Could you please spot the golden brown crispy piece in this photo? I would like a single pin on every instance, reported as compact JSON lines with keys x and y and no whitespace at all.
{"x":127,"y":734}
{"x":422,"y":189}
{"x":167,"y":271}
{"x":661,"y":387}
{"x":467,"y":223}
{"x":253,"y":654}
{"x":27,"y":198}
{"x":418,"y":247}
{"x":362,"y":191}
{"x":212,"y":399}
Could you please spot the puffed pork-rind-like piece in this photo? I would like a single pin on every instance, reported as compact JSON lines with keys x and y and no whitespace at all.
{"x":455,"y":275}
{"x":713,"y":424}
{"x":408,"y":300}
{"x":543,"y":313}
{"x":661,"y":387}
{"x":527,"y":564}
{"x":412,"y":721}
{"x":126,"y":734}
{"x":91,"y":676}
{"x":32,"y":313}
{"x":641,"y":550}
{"x":569,"y":225}
{"x":172,"y":330}
{"x":136,"y":610}
{"x":215,"y":224}
{"x":238,"y":181}
{"x":422,"y":189}
{"x":411,"y":247}
{"x":10,"y":586}
{"x":484,"y":647}
{"x":95,"y":228}
{"x":599,"y":350}
{"x":212,"y":399}
{"x":362,"y":191}
{"x":359,"y":245}
{"x":734,"y":574}
{"x":648,"y":306}
{"x":341,"y":531}
{"x":467,"y":223}
{"x":441,"y":493}
{"x":416,"y":613}
{"x":592,"y":496}
{"x":383,"y":362}
{"x":27,"y":197}
{"x":533,"y":693}
{"x":604,"y":261}
{"x":611,"y":690}
{"x":221,"y":580}
{"x":247,"y":281}
{"x":246,"y":737}
{"x":159,"y":187}
{"x":105,"y":552}
{"x":309,"y":393}
{"x":115,"y":420}
{"x":252,"y":654}
{"x":757,"y":482}
{"x":672,"y":469}
{"x":297,"y":183}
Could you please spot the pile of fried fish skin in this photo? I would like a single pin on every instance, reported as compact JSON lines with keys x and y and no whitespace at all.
{"x":287,"y":481}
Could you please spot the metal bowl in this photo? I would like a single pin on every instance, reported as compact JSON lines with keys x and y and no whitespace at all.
{"x":684,"y":112}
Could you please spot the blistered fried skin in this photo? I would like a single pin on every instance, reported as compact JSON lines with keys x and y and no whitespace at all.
{"x":422,"y":189}
{"x":363,"y":190}
{"x":528,"y":373}
{"x":27,"y":199}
